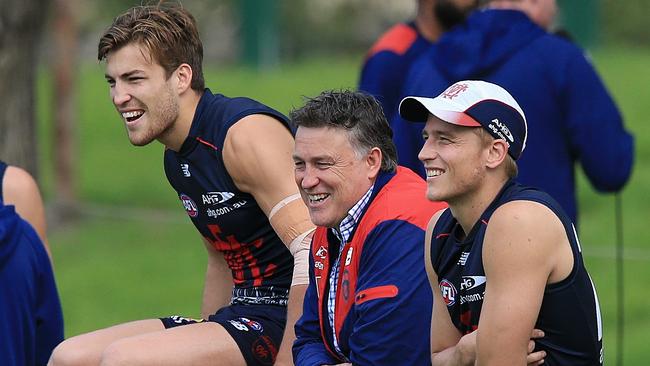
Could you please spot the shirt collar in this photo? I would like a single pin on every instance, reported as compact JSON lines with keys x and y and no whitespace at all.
{"x":346,"y":227}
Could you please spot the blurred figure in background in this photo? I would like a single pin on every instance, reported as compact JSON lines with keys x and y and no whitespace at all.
{"x":229,"y":160}
{"x":390,"y":58}
{"x":571,"y":116}
{"x":30,"y":312}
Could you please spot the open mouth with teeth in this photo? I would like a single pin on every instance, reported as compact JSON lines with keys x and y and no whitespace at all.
{"x":432,"y":172}
{"x":132,"y":116}
{"x":316,"y":198}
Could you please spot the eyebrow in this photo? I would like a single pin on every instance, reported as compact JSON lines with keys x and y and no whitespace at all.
{"x":125,"y":75}
{"x":313,"y":158}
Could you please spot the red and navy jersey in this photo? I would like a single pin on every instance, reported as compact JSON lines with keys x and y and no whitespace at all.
{"x":387,"y":63}
{"x":570,"y":313}
{"x":231,"y":220}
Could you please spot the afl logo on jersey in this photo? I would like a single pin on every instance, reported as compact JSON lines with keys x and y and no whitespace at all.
{"x":448,"y":292}
{"x":189,"y":205}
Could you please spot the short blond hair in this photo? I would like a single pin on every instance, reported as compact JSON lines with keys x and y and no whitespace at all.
{"x":511,"y":166}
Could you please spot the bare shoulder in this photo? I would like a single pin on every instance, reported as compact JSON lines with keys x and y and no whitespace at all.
{"x":257,"y":155}
{"x":19,"y":185}
{"x":530,"y":214}
{"x":21,"y":190}
{"x":257,"y":130}
{"x":521,"y":232}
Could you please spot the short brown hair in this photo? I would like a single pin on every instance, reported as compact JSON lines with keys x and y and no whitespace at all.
{"x":168,"y":31}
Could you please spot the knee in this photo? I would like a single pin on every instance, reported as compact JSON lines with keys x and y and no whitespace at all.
{"x":119,"y":353}
{"x":72,"y":352}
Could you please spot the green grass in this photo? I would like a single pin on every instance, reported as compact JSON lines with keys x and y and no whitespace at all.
{"x":132,"y":263}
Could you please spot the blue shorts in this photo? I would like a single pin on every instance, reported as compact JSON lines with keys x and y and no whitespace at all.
{"x":257,"y":329}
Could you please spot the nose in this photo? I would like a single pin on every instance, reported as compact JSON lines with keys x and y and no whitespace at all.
{"x":428,"y":151}
{"x":307,"y":178}
{"x":119,"y":94}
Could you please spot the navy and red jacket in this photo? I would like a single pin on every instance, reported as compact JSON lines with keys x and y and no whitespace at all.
{"x":383,"y":301}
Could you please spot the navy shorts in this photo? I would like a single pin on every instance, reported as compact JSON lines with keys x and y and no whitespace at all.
{"x":257,"y":329}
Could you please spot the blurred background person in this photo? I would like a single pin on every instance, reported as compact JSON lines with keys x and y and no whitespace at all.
{"x":572,"y":117}
{"x":388,"y":60}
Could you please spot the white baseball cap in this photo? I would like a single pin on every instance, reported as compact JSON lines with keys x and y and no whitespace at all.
{"x":474,"y":103}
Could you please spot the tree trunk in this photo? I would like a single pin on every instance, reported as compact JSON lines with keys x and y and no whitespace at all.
{"x":21,"y":22}
{"x":64,"y":63}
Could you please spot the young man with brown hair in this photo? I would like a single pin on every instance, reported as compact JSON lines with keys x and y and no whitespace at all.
{"x":229,"y":159}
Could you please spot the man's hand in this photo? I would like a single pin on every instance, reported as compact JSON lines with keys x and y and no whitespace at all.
{"x":535,"y":358}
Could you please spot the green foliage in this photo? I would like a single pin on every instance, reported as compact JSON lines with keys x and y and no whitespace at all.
{"x":625,"y":22}
{"x":122,"y":263}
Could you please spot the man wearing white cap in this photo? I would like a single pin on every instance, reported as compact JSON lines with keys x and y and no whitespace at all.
{"x":504,"y":260}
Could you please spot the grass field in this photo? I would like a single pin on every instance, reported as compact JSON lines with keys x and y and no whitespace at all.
{"x":134,"y":254}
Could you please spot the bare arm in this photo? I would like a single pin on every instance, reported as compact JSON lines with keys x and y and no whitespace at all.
{"x":257,"y":153}
{"x":525,"y":248}
{"x":21,"y":190}
{"x":447,"y":345}
{"x":217,"y":289}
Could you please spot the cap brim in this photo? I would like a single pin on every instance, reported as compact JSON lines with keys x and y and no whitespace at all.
{"x":417,"y":109}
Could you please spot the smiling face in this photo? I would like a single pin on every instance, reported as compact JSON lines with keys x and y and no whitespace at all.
{"x":331,"y":175}
{"x":454,"y":159}
{"x":142,"y":94}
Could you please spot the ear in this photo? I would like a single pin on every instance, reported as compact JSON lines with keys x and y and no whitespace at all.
{"x":373,"y":160}
{"x":183,"y":76}
{"x":497,"y":152}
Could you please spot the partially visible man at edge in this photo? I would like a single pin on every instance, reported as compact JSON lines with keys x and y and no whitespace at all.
{"x":229,"y":159}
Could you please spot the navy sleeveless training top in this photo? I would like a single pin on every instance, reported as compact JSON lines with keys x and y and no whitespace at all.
{"x":570,"y":313}
{"x":228,"y":218}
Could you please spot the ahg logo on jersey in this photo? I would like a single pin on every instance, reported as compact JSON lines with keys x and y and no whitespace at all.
{"x":448,"y":292}
{"x":215,"y":198}
{"x":189,"y":205}
{"x":470,"y":282}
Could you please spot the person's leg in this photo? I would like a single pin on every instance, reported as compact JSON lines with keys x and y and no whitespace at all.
{"x":205,"y":343}
{"x":87,"y":349}
{"x":147,"y":342}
